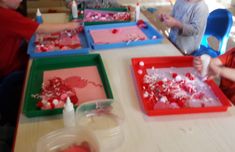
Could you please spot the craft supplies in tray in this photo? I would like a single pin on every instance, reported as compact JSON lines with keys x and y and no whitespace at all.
{"x":68,"y":140}
{"x":55,"y":44}
{"x":95,"y":16}
{"x":117,"y":35}
{"x":105,"y":119}
{"x":170,"y":85}
{"x":51,"y":80}
{"x":104,"y":16}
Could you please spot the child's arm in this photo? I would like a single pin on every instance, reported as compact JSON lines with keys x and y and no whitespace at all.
{"x":196,"y":21}
{"x":52,"y":28}
{"x":216,"y":68}
{"x":170,"y":21}
{"x":221,"y":70}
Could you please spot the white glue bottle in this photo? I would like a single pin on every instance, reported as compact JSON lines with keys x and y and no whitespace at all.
{"x":74,"y":10}
{"x":205,"y":63}
{"x":137,"y":12}
{"x":39,"y":16}
{"x":69,"y":114}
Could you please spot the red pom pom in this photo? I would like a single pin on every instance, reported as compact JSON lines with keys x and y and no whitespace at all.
{"x":74,"y":99}
{"x":174,"y":75}
{"x":189,"y":76}
{"x":80,"y":29}
{"x":114,"y":31}
{"x":40,"y":104}
{"x":160,"y":83}
{"x":181,"y":103}
{"x":141,"y":24}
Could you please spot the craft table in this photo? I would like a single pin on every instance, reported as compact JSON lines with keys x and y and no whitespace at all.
{"x":207,"y":132}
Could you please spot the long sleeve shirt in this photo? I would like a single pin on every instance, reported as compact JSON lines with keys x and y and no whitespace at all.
{"x":14,"y":28}
{"x":228,"y":86}
{"x":193,"y":16}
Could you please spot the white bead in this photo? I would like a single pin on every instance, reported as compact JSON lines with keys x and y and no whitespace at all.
{"x":140,"y":72}
{"x":154,"y":37}
{"x":55,"y":102}
{"x":164,"y":79}
{"x":178,"y":78}
{"x":146,"y":94}
{"x":163,"y":99}
{"x":141,"y":63}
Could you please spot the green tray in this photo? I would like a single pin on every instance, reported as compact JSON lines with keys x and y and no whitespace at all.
{"x":103,"y":9}
{"x":43,"y":64}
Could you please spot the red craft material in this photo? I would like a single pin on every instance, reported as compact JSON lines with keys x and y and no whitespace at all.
{"x":81,"y":84}
{"x":114,"y":31}
{"x":84,"y":147}
{"x":56,"y":91}
{"x":170,"y":85}
{"x":141,"y":24}
{"x":65,"y":40}
{"x":105,"y":16}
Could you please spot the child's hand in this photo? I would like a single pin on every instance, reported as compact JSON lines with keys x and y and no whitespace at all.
{"x":161,"y":17}
{"x":213,"y":70}
{"x":170,"y":21}
{"x":197,"y":63}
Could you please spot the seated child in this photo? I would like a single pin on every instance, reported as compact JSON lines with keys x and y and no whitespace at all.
{"x":224,"y":67}
{"x":14,"y":29}
{"x":187,"y":24}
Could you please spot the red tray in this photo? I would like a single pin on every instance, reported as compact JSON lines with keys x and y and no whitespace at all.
{"x":173,"y":61}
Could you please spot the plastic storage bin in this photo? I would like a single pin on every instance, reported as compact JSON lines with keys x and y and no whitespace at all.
{"x":84,"y":50}
{"x":81,"y":16}
{"x":40,"y":65}
{"x":169,"y":62}
{"x":105,"y":121}
{"x":62,"y":139}
{"x":150,"y":32}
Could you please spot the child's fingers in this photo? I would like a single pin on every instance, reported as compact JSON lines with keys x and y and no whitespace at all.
{"x":160,"y":17}
{"x":166,"y":16}
{"x":211,"y":77}
{"x":197,"y":63}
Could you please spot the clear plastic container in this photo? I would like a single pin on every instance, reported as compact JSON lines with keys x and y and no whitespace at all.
{"x":104,"y":118}
{"x":63,"y":139}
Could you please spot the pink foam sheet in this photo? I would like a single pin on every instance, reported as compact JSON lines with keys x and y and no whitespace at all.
{"x":85,"y":81}
{"x":123,"y":34}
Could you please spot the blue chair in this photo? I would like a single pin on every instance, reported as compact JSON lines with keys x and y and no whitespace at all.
{"x":219,"y":24}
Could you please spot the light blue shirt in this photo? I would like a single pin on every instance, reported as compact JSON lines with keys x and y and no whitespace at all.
{"x":193,"y":16}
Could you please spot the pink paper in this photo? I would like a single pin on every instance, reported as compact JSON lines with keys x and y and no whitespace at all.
{"x":85,"y":80}
{"x":124,"y":34}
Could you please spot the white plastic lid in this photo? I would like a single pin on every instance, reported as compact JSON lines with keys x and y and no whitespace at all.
{"x":104,"y":118}
{"x":62,"y":139}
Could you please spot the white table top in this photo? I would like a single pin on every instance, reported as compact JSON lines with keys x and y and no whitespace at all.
{"x":208,"y":132}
